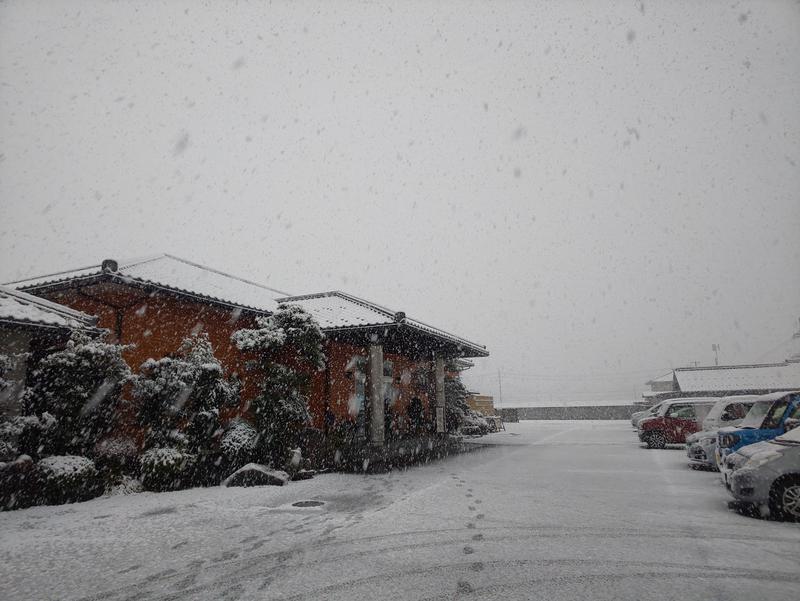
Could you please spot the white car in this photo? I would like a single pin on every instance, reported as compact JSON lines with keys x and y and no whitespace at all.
{"x":728,"y":411}
{"x":767,"y":475}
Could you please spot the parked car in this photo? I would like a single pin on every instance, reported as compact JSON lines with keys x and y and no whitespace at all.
{"x":701,"y":446}
{"x":766,"y":475}
{"x":765,"y":420}
{"x":676,"y":419}
{"x":650,"y":411}
{"x":637,"y":415}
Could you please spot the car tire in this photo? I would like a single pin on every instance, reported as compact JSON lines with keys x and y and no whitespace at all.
{"x":656,"y":440}
{"x":784,"y":499}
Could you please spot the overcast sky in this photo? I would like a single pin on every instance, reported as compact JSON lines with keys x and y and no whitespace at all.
{"x":597,"y":191}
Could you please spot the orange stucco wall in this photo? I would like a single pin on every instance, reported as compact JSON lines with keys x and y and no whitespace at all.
{"x":156,"y":323}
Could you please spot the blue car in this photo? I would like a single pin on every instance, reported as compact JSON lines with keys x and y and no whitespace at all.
{"x":765,"y":420}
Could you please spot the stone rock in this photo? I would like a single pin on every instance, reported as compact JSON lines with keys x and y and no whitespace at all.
{"x":255,"y":474}
{"x":304,"y":475}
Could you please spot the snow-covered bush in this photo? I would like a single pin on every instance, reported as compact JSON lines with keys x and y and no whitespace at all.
{"x":281,"y":409}
{"x":115,"y":457}
{"x":126,"y":486}
{"x":17,"y":483}
{"x":166,"y":469}
{"x":456,"y":408}
{"x":239,"y":443}
{"x":184,"y":393}
{"x":80,"y":386}
{"x":6,"y":362}
{"x":27,"y":434}
{"x":66,"y":479}
{"x":474,"y":423}
{"x":290,"y":327}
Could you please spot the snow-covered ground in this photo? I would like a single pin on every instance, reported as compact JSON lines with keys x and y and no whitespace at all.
{"x":547,"y":510}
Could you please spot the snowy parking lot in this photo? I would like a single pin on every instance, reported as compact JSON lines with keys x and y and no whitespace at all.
{"x":545,"y":510}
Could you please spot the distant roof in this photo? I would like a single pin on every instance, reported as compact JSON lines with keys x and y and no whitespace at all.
{"x":724,"y":378}
{"x":20,"y":308}
{"x":172,"y":273}
{"x":665,"y":378}
{"x":336,"y":311}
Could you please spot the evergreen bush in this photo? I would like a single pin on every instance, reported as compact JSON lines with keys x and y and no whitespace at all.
{"x":66,"y":479}
{"x":166,"y":469}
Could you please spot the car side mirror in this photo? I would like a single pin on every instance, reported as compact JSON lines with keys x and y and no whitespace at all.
{"x":791,"y":423}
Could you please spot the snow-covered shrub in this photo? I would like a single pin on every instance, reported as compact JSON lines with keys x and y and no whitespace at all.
{"x":184,"y":394}
{"x":17,"y":483}
{"x":126,"y":486}
{"x":290,"y":327}
{"x":281,"y":409}
{"x":166,"y":469}
{"x":80,"y":386}
{"x":66,"y":479}
{"x":239,"y":443}
{"x":474,"y":423}
{"x":456,"y":408}
{"x":29,"y":434}
{"x":114,"y":457}
{"x":6,"y":363}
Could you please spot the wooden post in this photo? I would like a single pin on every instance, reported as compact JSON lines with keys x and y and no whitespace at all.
{"x":440,"y":425}
{"x":375,"y":375}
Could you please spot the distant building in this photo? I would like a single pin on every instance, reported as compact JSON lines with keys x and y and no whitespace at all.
{"x":482,"y":403}
{"x":726,"y":380}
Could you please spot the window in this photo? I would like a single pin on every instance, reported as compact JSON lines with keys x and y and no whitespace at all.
{"x":773,"y":419}
{"x":681,"y":412}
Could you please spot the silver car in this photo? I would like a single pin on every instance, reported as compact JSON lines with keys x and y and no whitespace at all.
{"x":701,"y":446}
{"x":766,"y":475}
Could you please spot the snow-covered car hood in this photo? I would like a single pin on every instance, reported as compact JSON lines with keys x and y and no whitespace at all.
{"x":700,"y":435}
{"x":759,"y":450}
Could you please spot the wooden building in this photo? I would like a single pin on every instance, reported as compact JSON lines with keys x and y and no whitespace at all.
{"x":381,"y":367}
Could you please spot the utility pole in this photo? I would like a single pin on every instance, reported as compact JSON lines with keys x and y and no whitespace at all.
{"x":715,"y":348}
{"x":500,"y":386}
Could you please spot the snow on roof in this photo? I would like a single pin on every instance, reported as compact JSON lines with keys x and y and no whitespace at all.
{"x":21,"y":308}
{"x":773,"y":376}
{"x":337,"y":310}
{"x":665,"y":378}
{"x":176,"y":274}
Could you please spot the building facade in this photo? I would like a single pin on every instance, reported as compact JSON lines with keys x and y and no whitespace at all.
{"x":383,"y":373}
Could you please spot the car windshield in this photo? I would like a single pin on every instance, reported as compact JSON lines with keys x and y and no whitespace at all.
{"x":354,"y":300}
{"x":756,"y":415}
{"x":773,"y":418}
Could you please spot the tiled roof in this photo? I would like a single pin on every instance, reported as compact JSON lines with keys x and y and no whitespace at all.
{"x":340,"y":311}
{"x":20,"y":308}
{"x":773,"y":376}
{"x":173,"y":273}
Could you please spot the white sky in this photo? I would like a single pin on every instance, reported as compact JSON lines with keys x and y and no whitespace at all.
{"x":597,"y":191}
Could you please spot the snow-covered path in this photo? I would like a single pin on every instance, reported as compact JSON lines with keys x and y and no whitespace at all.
{"x":548,"y":510}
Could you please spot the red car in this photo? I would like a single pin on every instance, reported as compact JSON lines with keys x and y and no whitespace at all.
{"x":674,"y":422}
